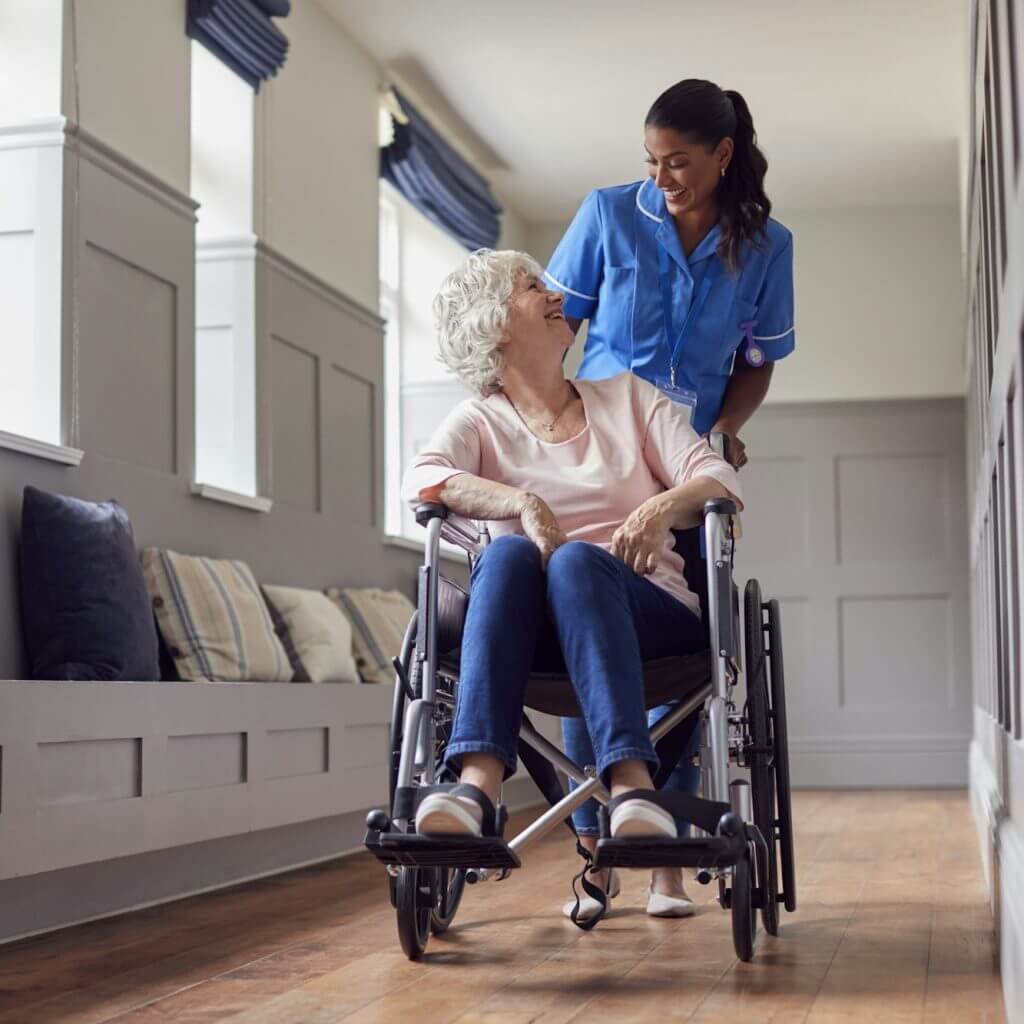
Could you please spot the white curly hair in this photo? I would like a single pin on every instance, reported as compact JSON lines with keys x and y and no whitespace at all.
{"x":471,"y":311}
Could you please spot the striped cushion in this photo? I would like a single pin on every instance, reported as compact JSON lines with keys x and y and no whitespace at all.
{"x":213,"y":619}
{"x":379,"y":619}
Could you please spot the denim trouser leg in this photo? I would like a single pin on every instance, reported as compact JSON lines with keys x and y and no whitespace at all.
{"x":685,"y":777}
{"x":505,"y":617}
{"x":639,"y":622}
{"x":585,"y":606}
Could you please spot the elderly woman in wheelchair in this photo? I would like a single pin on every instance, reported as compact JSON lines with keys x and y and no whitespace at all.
{"x":581,"y":485}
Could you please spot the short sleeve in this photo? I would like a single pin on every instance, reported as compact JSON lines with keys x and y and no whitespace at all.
{"x":673,"y":450}
{"x":775,"y":331}
{"x":453,"y":449}
{"x":577,"y":266}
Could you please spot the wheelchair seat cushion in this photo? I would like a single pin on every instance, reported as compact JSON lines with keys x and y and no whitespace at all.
{"x":665,"y":680}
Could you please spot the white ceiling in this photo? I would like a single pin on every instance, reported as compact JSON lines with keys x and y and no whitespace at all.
{"x":856,"y":102}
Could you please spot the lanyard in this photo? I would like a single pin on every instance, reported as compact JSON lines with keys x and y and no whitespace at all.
{"x":675,"y":350}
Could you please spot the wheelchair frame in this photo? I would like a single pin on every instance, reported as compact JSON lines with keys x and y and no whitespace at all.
{"x":427,"y":873}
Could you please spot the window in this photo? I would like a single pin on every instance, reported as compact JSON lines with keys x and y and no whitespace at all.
{"x":415,"y":257}
{"x":32,"y":401}
{"x":222,"y":183}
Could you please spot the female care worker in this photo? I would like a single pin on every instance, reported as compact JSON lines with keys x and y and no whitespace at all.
{"x":687,"y":281}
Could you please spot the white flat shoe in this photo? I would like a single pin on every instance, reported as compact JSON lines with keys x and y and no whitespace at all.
{"x":588,"y":905}
{"x":639,"y":817}
{"x":444,"y":814}
{"x":659,"y":905}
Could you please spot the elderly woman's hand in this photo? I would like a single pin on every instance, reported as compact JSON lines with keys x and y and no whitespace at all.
{"x":541,"y":526}
{"x":640,"y":540}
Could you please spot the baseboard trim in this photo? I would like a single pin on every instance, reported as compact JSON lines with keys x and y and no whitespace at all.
{"x":1002,"y":853}
{"x":36,"y":904}
{"x":883,"y":762}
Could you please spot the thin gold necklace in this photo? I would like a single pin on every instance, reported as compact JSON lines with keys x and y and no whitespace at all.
{"x":549,"y":427}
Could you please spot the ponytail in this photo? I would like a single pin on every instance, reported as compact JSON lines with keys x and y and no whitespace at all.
{"x":709,"y":114}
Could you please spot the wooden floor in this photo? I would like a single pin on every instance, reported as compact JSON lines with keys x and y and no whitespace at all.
{"x":893,"y":925}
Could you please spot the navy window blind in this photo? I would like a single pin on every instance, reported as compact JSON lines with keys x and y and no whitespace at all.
{"x":439,"y":182}
{"x":242,"y":34}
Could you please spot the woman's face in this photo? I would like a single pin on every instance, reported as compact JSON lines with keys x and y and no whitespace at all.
{"x":535,"y":315}
{"x":687,"y":172}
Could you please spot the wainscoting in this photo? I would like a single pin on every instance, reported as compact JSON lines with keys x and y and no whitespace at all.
{"x":115,"y":795}
{"x":856,"y":522}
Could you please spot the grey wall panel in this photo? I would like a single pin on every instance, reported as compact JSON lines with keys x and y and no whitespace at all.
{"x":893,"y":507}
{"x":204,"y":760}
{"x":873,"y":600}
{"x":291,"y":752}
{"x":81,"y":771}
{"x":128,"y":362}
{"x":295,"y":425}
{"x":896,"y":653}
{"x":349,"y":446}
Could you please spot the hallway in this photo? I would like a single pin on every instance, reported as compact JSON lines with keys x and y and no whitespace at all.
{"x":893,"y":925}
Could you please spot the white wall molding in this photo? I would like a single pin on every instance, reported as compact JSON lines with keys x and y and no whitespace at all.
{"x":40,"y":132}
{"x":252,"y":503}
{"x":41,"y":449}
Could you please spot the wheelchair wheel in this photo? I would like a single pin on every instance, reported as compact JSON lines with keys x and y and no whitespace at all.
{"x":450,"y":884}
{"x":760,"y":755}
{"x":741,"y":903}
{"x":787,"y":852}
{"x":414,"y":889}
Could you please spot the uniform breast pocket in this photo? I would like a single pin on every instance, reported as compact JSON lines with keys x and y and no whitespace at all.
{"x":615,"y":309}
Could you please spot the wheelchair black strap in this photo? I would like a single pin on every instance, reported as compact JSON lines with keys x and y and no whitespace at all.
{"x":671,"y":746}
{"x":593,"y":891}
{"x":705,"y":814}
{"x":409,"y":798}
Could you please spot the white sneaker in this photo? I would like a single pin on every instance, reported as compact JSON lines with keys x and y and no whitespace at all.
{"x":588,"y":905}
{"x":639,"y":817}
{"x":443,"y":814}
{"x":660,"y":905}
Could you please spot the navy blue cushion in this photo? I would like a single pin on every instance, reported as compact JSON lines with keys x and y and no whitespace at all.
{"x":85,"y":610}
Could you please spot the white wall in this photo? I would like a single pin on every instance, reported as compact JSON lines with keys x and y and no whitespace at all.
{"x":30,"y":56}
{"x":131,"y":87}
{"x":317,"y":162}
{"x":879,"y":303}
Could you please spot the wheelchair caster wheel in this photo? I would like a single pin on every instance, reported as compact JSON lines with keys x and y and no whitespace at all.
{"x":741,"y":904}
{"x":413,"y":903}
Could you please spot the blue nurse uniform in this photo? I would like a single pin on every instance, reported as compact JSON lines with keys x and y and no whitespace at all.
{"x":607,"y":266}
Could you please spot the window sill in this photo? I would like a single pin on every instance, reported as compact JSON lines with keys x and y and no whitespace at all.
{"x":41,"y":449}
{"x":448,"y":551}
{"x":249,"y":502}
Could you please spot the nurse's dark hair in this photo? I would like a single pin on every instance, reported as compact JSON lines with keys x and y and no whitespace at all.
{"x":709,"y":114}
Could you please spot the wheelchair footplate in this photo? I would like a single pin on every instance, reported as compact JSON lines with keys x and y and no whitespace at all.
{"x":725,"y":843}
{"x":387,"y":841}
{"x":411,"y":850}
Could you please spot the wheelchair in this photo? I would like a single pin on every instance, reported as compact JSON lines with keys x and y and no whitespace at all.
{"x":742,"y":835}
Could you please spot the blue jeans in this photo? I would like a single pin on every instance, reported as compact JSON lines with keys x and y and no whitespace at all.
{"x":587,"y":615}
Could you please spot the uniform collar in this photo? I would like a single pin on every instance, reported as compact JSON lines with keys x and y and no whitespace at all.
{"x":650,"y":201}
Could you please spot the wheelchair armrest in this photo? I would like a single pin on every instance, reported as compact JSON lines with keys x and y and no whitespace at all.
{"x":431,"y":510}
{"x":463,"y":533}
{"x":721,"y":506}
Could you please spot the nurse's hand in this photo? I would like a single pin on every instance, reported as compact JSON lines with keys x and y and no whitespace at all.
{"x":640,"y":540}
{"x":736,"y":450}
{"x":541,"y":526}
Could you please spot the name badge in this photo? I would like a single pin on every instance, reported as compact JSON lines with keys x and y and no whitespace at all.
{"x":682,"y":397}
